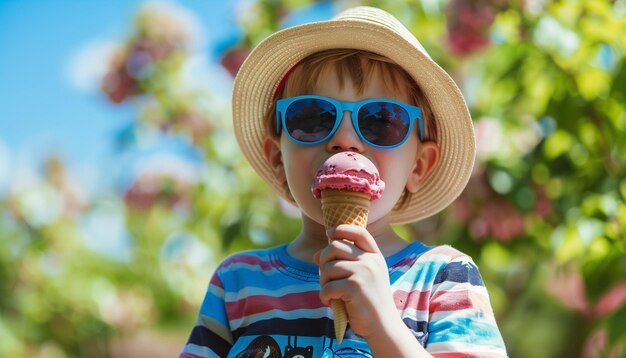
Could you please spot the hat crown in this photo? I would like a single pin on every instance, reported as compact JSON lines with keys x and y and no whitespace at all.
{"x":378,"y":17}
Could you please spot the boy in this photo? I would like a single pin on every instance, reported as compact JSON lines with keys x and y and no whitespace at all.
{"x":402,"y":299}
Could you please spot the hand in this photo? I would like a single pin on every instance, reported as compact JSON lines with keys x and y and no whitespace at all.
{"x":353,"y":269}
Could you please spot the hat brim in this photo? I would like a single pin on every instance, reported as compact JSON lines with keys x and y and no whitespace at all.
{"x":378,"y":32}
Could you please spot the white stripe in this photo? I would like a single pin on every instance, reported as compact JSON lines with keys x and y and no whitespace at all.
{"x":201,"y":351}
{"x":295,"y":314}
{"x":216,"y":290}
{"x":408,"y":286}
{"x":451,"y":286}
{"x":260,"y":291}
{"x":414,"y":314}
{"x":215,"y":326}
{"x":470,"y":313}
{"x":435,"y":257}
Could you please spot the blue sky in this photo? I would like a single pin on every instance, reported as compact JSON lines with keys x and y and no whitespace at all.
{"x":45,"y":109}
{"x":41,"y":107}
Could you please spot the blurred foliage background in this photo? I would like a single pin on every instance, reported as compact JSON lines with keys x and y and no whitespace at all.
{"x":544,"y":214}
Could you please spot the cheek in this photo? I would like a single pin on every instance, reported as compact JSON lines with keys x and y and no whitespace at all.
{"x":394,"y":173}
{"x":299,"y":162}
{"x":395,"y":168}
{"x":395,"y":180}
{"x":296,"y":169}
{"x":295,"y":156}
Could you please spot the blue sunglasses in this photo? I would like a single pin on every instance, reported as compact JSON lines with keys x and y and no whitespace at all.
{"x":381,"y":123}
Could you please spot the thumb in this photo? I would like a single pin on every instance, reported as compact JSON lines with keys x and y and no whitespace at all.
{"x":316,"y":257}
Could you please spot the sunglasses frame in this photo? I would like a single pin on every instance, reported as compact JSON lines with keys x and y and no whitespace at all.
{"x":353,"y":107}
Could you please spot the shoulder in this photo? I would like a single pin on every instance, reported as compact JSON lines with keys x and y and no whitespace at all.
{"x":435,"y":265}
{"x":459,"y":267}
{"x":444,"y":254}
{"x":453,"y":265}
{"x":260,"y":259}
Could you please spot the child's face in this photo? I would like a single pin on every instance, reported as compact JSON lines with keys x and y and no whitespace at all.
{"x":399,"y":167}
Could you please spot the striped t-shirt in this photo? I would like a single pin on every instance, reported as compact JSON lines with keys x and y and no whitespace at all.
{"x":265,"y":303}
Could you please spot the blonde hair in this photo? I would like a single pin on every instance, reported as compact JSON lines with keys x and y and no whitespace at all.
{"x":358,"y":65}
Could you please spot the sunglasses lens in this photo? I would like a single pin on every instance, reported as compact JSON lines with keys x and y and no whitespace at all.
{"x":310,"y":120}
{"x":383,"y":124}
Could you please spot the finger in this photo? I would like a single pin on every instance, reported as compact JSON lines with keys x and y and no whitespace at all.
{"x":316,"y":257}
{"x":356,"y":234}
{"x":336,"y":270}
{"x":339,"y":250}
{"x":334,"y":290}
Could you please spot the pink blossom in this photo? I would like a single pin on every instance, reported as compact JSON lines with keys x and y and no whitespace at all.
{"x":611,"y":300}
{"x":233,"y":59}
{"x":566,"y":285}
{"x":597,"y":343}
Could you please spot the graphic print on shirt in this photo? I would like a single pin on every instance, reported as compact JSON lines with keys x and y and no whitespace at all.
{"x":267,"y":347}
{"x":343,"y":352}
{"x":261,"y":347}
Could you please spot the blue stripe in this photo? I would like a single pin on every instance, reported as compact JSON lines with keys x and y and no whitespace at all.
{"x":418,"y":329}
{"x":415,"y":326}
{"x":460,"y":272}
{"x":419,"y":273}
{"x":465,"y":330}
{"x":213,"y":306}
{"x":250,"y":277}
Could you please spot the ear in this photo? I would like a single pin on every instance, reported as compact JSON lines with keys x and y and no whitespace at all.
{"x":427,"y":159}
{"x":274,"y":157}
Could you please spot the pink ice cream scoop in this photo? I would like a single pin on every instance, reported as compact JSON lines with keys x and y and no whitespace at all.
{"x":348,"y":171}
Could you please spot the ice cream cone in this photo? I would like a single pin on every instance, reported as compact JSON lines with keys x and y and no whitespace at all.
{"x":343,"y":207}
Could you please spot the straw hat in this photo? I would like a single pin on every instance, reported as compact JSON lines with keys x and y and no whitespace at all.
{"x":374,"y":30}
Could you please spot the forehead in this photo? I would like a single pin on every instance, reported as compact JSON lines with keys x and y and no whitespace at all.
{"x":375,"y":83}
{"x":368,"y":74}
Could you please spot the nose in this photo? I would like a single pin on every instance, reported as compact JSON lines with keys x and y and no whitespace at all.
{"x":345,"y":138}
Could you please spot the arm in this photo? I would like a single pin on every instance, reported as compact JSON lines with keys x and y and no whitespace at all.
{"x":211,"y":336}
{"x":395,"y":340}
{"x":355,"y":271}
{"x":461,"y":317}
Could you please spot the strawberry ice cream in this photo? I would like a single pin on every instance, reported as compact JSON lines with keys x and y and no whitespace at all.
{"x":348,"y":171}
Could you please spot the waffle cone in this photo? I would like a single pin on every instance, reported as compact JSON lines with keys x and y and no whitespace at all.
{"x":343,"y":207}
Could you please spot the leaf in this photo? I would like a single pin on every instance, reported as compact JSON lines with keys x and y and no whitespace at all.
{"x":616,"y":326}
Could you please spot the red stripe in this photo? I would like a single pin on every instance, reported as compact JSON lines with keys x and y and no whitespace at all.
{"x":265,"y":265}
{"x":452,"y":300}
{"x":282,"y":82}
{"x":467,"y":355}
{"x":261,"y":303}
{"x":414,"y":299}
{"x":188,"y":355}
{"x":405,"y":262}
{"x":215,"y":281}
